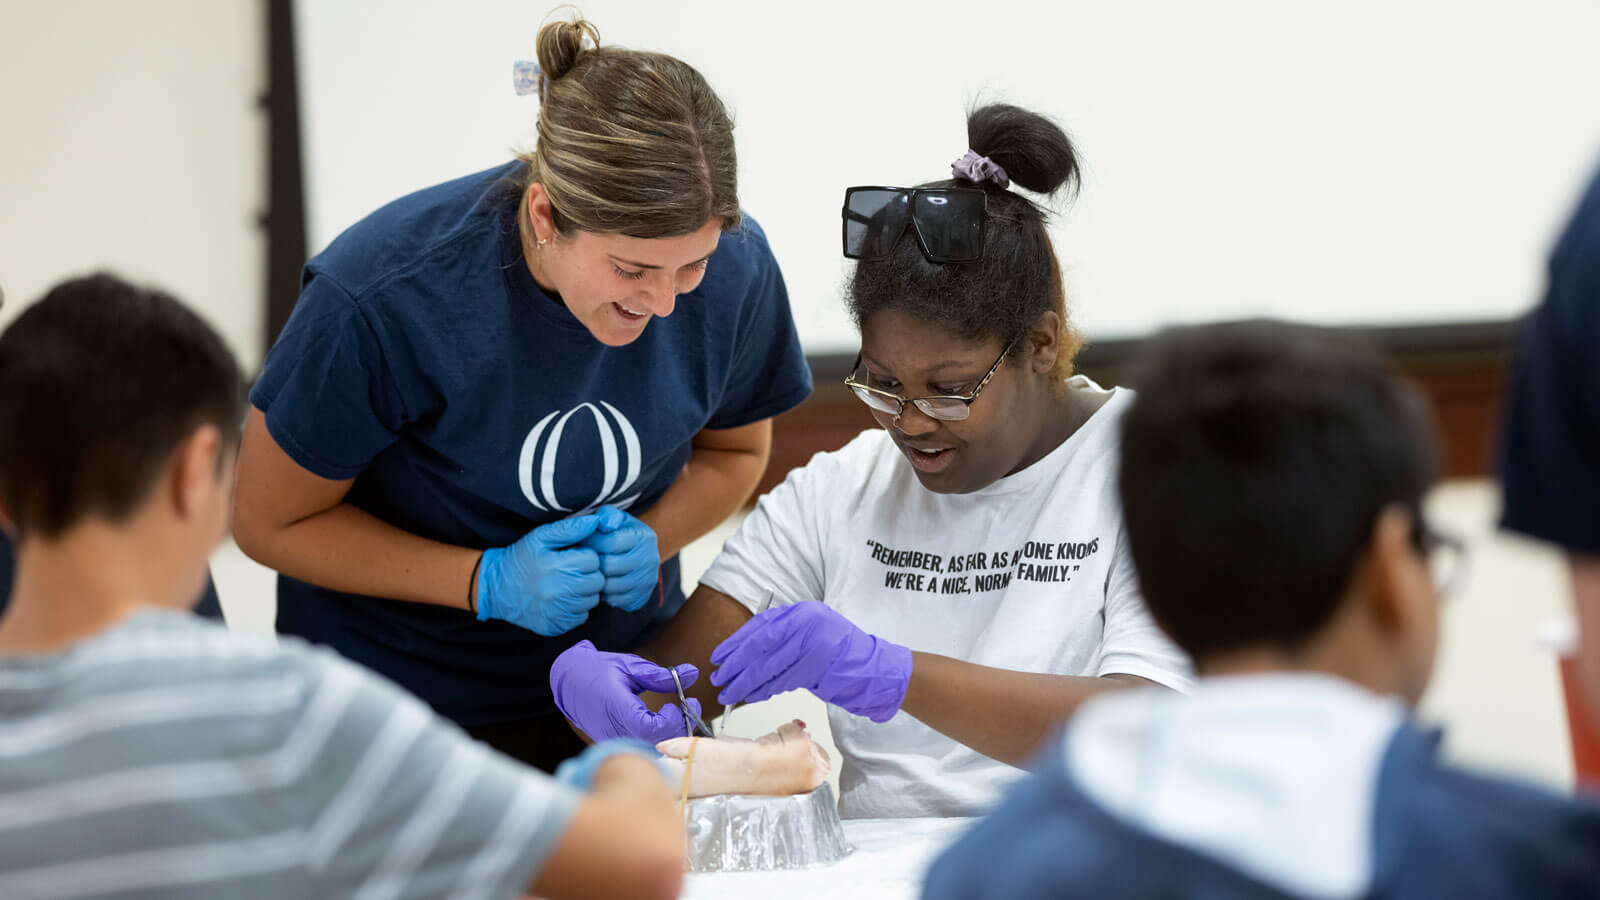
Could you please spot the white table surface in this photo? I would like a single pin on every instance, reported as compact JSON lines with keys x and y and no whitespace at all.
{"x":890,"y":858}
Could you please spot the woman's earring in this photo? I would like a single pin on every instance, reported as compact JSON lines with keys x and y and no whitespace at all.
{"x":542,"y":242}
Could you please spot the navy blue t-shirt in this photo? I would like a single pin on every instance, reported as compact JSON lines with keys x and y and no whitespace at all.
{"x":1550,"y":461}
{"x":1437,"y":832}
{"x":469,"y":407}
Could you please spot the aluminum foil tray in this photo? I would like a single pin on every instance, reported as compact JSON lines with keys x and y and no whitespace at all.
{"x":746,"y":833}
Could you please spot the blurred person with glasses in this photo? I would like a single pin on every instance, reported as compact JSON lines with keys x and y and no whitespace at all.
{"x":955,"y":582}
{"x":1272,"y":481}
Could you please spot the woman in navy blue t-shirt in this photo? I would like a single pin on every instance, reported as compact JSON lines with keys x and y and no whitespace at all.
{"x":470,"y":447}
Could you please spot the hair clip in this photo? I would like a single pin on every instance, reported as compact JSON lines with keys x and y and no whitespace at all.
{"x":525,"y":77}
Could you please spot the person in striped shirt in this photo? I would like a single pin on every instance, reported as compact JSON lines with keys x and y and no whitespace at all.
{"x":145,"y":752}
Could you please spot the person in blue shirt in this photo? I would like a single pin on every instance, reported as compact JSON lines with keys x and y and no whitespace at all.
{"x":1550,"y":457}
{"x":503,"y":404}
{"x":1272,"y":478}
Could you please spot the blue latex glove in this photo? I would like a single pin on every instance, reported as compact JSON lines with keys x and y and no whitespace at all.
{"x":599,"y":692}
{"x":628,"y":558}
{"x":543,"y":582}
{"x":579,"y":770}
{"x":810,"y":645}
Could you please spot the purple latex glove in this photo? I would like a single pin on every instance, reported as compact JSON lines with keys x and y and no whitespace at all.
{"x":599,"y":692}
{"x":810,"y":645}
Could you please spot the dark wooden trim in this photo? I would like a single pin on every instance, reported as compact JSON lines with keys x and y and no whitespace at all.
{"x":285,"y":219}
{"x":1407,"y":345}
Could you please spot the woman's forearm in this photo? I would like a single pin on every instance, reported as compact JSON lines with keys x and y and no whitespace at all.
{"x":288,"y":519}
{"x":1585,"y":571}
{"x":348,"y":549}
{"x":1002,"y":714}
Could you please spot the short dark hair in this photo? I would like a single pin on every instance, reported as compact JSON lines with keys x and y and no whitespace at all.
{"x":101,"y":380}
{"x":1018,"y":278}
{"x":1256,"y":458}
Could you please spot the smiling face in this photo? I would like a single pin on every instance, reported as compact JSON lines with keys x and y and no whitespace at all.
{"x":612,"y":283}
{"x":904,"y":355}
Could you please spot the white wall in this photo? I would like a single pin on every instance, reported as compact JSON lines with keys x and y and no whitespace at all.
{"x":130,"y":141}
{"x":1360,"y":162}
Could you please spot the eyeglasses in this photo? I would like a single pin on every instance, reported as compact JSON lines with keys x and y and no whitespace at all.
{"x":944,"y":407}
{"x":1446,"y":555}
{"x":948,"y":222}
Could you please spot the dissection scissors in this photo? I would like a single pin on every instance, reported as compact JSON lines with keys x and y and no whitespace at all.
{"x":693,"y":722}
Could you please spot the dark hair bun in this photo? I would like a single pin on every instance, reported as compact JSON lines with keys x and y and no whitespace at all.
{"x":1033,"y":150}
{"x":560,"y":43}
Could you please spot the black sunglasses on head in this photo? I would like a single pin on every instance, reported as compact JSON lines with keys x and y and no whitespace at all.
{"x":948,"y":222}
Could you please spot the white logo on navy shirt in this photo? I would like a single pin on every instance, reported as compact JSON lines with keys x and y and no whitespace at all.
{"x":619,"y":445}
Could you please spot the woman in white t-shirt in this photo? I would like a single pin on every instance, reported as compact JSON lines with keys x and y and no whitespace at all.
{"x":957,"y":582}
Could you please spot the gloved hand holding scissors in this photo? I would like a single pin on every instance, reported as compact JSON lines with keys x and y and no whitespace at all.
{"x":810,"y":645}
{"x":599,"y":692}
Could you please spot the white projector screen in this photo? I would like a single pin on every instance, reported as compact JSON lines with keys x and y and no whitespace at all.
{"x":1366,"y":162}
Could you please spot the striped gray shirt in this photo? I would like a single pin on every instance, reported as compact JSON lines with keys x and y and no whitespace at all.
{"x":171,"y":758}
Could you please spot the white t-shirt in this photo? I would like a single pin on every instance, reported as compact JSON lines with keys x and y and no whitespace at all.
{"x":1031,"y":573}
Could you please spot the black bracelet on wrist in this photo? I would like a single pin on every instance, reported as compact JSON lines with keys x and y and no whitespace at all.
{"x":472,"y":586}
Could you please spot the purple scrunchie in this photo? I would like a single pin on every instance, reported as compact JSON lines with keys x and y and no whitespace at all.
{"x":973,"y":167}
